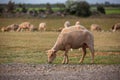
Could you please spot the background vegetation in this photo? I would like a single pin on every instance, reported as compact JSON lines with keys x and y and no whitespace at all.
{"x":71,"y":7}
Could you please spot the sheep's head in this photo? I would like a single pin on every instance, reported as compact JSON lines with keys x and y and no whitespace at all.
{"x":51,"y":55}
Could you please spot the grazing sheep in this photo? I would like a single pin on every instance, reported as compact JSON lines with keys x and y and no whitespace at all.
{"x":116,"y":27}
{"x":12,"y":27}
{"x":3,"y":29}
{"x":77,"y":23}
{"x":24,"y":26}
{"x":67,"y":24}
{"x":42,"y":26}
{"x":74,"y":38}
{"x":32,"y":28}
{"x":95,"y":27}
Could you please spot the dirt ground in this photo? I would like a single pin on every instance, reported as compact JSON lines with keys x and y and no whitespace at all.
{"x":19,"y":71}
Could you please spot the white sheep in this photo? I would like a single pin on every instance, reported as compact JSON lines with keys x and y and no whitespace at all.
{"x":42,"y":26}
{"x":74,"y":38}
{"x":95,"y":27}
{"x":67,"y":24}
{"x":12,"y":27}
{"x":24,"y":26}
{"x":77,"y":23}
{"x":116,"y":27}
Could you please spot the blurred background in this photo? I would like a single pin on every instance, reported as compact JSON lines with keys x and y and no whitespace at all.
{"x":58,"y":8}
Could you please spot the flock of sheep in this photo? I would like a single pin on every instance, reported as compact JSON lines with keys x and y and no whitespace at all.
{"x":70,"y":37}
{"x":27,"y":26}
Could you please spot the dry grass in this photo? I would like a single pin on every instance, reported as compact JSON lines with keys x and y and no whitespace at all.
{"x":55,"y":23}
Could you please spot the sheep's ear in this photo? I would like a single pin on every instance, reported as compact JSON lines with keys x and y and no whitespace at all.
{"x":47,"y":51}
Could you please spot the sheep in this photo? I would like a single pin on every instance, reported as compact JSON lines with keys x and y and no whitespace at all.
{"x":67,"y":24}
{"x":73,"y":28}
{"x":24,"y":26}
{"x":3,"y":29}
{"x":77,"y":23}
{"x":74,"y":38}
{"x":12,"y":27}
{"x":42,"y":26}
{"x":116,"y":27}
{"x":32,"y":28}
{"x":95,"y":27}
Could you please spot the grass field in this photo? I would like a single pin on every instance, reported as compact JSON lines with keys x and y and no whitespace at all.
{"x":109,"y":10}
{"x":30,"y":47}
{"x":112,"y":10}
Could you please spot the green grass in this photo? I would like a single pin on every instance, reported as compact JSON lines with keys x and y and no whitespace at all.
{"x":112,"y":10}
{"x":31,"y":47}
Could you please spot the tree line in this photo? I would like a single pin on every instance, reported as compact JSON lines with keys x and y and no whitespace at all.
{"x":71,"y":7}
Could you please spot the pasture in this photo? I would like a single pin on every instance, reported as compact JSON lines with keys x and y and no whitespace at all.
{"x":31,"y":47}
{"x":110,"y":10}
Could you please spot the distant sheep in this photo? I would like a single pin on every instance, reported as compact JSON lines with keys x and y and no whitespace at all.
{"x":3,"y":29}
{"x":116,"y":27}
{"x":66,"y":24}
{"x":74,"y":38}
{"x":24,"y":26}
{"x":42,"y":26}
{"x":95,"y":27}
{"x":12,"y":27}
{"x":32,"y":28}
{"x":77,"y":23}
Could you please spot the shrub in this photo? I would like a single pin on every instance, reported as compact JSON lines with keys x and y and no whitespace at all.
{"x":101,"y":9}
{"x":10,"y":6}
{"x":80,"y":8}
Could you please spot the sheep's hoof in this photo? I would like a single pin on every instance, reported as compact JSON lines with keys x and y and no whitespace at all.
{"x":63,"y":62}
{"x":80,"y":62}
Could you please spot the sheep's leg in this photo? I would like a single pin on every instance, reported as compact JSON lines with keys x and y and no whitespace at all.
{"x":65,"y":59}
{"x":18,"y":29}
{"x":21,"y":30}
{"x":92,"y":52}
{"x":83,"y":55}
{"x":44,"y":29}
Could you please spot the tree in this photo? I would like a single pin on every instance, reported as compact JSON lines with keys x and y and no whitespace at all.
{"x":10,"y":6}
{"x":1,"y":9}
{"x":60,"y":6}
{"x":101,"y":9}
{"x":48,"y":8}
{"x":80,"y":8}
{"x":23,"y":8}
{"x":68,"y":3}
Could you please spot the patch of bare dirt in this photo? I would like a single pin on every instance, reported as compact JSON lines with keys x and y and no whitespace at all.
{"x":18,"y":71}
